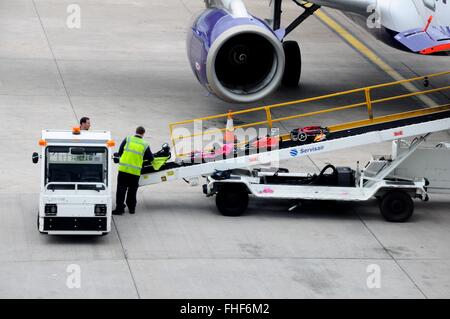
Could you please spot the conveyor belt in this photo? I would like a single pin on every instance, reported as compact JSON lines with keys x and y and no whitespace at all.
{"x":376,"y":133}
{"x":333,"y":135}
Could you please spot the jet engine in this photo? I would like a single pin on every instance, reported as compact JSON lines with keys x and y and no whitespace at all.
{"x":234,"y":55}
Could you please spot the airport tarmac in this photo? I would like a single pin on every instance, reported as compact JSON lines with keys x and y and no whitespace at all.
{"x":127,"y":66}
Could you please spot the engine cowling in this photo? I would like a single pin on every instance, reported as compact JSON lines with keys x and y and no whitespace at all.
{"x":238,"y":59}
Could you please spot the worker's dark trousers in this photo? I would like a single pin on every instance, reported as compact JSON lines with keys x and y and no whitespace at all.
{"x":127,"y":184}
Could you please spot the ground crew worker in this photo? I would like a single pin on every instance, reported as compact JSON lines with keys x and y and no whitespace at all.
{"x":133,"y":151}
{"x":85,"y":124}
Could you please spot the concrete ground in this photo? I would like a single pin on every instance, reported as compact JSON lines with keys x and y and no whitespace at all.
{"x":127,"y":66}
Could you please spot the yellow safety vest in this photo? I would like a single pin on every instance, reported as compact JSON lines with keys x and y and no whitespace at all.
{"x":133,"y":155}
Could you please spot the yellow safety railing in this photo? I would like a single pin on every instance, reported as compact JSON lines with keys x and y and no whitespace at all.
{"x":368,"y":101}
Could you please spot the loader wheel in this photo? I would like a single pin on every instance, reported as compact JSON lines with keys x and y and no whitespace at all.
{"x":397,"y":206}
{"x":232,"y":201}
{"x":293,"y":64}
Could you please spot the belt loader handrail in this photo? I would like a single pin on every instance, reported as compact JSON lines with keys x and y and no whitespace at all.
{"x":368,"y":102}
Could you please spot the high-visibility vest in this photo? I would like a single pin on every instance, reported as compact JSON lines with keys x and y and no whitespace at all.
{"x":133,"y":155}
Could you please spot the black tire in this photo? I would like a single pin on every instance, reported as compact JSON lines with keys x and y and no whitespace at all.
{"x":232,"y":201}
{"x":293,"y":64}
{"x":397,"y":206}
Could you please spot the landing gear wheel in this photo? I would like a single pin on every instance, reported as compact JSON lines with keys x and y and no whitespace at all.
{"x":232,"y":201}
{"x":293,"y":64}
{"x":397,"y":206}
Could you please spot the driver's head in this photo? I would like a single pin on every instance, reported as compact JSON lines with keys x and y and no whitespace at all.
{"x":140,"y":131}
{"x":85,"y":123}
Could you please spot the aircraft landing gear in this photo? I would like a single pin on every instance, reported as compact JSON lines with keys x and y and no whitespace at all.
{"x":293,"y":64}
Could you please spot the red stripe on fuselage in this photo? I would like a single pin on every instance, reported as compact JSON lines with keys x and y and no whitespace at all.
{"x":437,"y":48}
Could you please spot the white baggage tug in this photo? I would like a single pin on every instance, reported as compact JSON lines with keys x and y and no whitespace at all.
{"x":75,"y":195}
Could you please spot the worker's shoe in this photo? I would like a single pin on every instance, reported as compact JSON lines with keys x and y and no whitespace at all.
{"x":132,"y":211}
{"x":118,"y":211}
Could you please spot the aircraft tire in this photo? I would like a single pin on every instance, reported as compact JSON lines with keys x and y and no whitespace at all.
{"x":293,"y":64}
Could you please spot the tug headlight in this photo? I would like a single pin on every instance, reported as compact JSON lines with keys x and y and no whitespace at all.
{"x":100,"y":210}
{"x":51,"y":209}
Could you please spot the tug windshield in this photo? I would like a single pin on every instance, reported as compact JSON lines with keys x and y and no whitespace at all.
{"x":76,"y":165}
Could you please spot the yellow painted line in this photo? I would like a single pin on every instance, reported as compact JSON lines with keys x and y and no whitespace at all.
{"x":369,"y":54}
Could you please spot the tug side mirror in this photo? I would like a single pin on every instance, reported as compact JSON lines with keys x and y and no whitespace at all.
{"x":116,"y":158}
{"x":35,"y":158}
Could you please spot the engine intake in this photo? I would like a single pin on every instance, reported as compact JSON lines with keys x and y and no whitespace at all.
{"x":237,"y":59}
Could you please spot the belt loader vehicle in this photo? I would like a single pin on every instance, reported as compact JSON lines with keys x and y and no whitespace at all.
{"x":395,"y":180}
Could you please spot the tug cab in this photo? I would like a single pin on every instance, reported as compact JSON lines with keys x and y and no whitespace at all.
{"x":75,"y":188}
